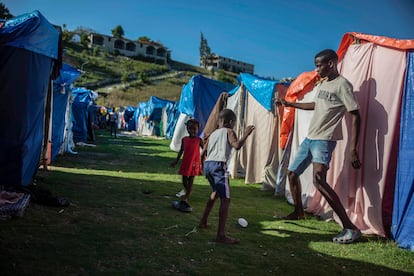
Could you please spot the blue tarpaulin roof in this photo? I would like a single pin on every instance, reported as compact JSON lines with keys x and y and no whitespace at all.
{"x":261,"y":89}
{"x":32,"y":32}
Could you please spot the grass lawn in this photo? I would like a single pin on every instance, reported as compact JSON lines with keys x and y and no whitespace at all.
{"x":121,"y":222}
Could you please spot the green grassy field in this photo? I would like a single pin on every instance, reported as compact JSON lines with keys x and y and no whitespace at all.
{"x":120,"y":222}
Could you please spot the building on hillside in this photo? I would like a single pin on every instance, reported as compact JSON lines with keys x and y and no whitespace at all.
{"x":217,"y":62}
{"x":147,"y":50}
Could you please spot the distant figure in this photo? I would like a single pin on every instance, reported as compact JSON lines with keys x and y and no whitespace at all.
{"x":113,"y":121}
{"x":220,"y":144}
{"x":191,"y":146}
{"x":333,"y":98}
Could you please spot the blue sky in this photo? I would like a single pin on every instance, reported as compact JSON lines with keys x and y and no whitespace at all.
{"x":280,"y":37}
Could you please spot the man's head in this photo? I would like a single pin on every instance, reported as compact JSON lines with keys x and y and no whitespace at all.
{"x":326,"y":62}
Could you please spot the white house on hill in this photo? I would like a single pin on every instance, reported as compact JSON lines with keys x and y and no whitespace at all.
{"x":145,"y":49}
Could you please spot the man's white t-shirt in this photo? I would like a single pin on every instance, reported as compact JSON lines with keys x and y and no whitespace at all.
{"x":333,"y":98}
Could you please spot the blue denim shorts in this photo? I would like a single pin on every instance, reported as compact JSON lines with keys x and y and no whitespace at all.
{"x":312,"y":151}
{"x":218,"y":177}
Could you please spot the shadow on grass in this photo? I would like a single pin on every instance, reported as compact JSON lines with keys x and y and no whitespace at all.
{"x":126,"y":225}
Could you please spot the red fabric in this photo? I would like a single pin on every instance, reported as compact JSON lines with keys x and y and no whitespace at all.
{"x":297,"y":89}
{"x":191,"y":164}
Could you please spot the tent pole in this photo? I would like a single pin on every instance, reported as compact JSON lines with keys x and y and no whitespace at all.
{"x":47,"y":133}
{"x":239,"y":129}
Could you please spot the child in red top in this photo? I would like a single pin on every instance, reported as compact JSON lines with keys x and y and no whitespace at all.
{"x":191,"y":164}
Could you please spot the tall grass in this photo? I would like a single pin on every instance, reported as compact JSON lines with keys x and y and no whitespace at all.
{"x":120,"y":222}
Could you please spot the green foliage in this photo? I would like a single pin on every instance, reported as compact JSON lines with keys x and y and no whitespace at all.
{"x":144,"y":39}
{"x":118,"y":32}
{"x":4,"y":12}
{"x":96,"y":51}
{"x":205,"y":51}
{"x":124,"y":77}
{"x":226,"y":77}
{"x":84,"y":40}
{"x":83,"y":30}
{"x":143,"y":77}
{"x":67,"y":36}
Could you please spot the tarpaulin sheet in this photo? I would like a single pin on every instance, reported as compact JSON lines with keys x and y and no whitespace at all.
{"x":82,"y":100}
{"x":61,"y":91}
{"x":199,"y":96}
{"x":403,"y":212}
{"x":31,"y":31}
{"x":28,"y":44}
{"x":24,"y":79}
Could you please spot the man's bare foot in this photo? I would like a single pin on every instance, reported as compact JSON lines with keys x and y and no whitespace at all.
{"x":294,"y":216}
{"x":203,"y":225}
{"x":227,"y":240}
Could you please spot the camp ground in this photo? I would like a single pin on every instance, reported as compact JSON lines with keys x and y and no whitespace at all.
{"x":378,"y":198}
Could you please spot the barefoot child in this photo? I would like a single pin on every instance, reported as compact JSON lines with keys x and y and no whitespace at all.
{"x":220,"y":143}
{"x":191,"y":164}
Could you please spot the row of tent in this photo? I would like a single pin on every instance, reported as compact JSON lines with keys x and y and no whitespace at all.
{"x":378,"y":198}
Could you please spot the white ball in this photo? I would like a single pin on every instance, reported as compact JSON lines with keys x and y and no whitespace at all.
{"x":243,"y":222}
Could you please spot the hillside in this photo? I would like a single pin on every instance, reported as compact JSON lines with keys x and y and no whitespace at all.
{"x":123,"y":81}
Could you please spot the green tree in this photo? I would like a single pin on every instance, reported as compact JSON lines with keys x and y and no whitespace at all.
{"x":66,"y":34}
{"x":144,"y":38}
{"x":81,"y":30}
{"x":84,"y":40}
{"x":118,"y":32}
{"x":125,"y":77}
{"x":222,"y":76}
{"x":205,"y":50}
{"x":4,"y":12}
{"x":96,"y":51}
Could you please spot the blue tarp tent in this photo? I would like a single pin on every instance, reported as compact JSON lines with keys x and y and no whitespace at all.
{"x":129,"y":118}
{"x":29,"y":47}
{"x":403,"y":212}
{"x":61,"y":90}
{"x":173,"y":114}
{"x":156,"y":108}
{"x":197,"y":100}
{"x":83,"y":113}
{"x":199,"y":96}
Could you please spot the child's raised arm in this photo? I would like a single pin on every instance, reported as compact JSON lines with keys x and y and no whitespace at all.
{"x":237,"y":144}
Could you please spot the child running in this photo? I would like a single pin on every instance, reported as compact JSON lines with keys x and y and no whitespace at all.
{"x":220,"y":144}
{"x":191,"y":164}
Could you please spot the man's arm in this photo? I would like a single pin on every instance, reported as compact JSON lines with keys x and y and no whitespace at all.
{"x":304,"y":106}
{"x":356,"y":122}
